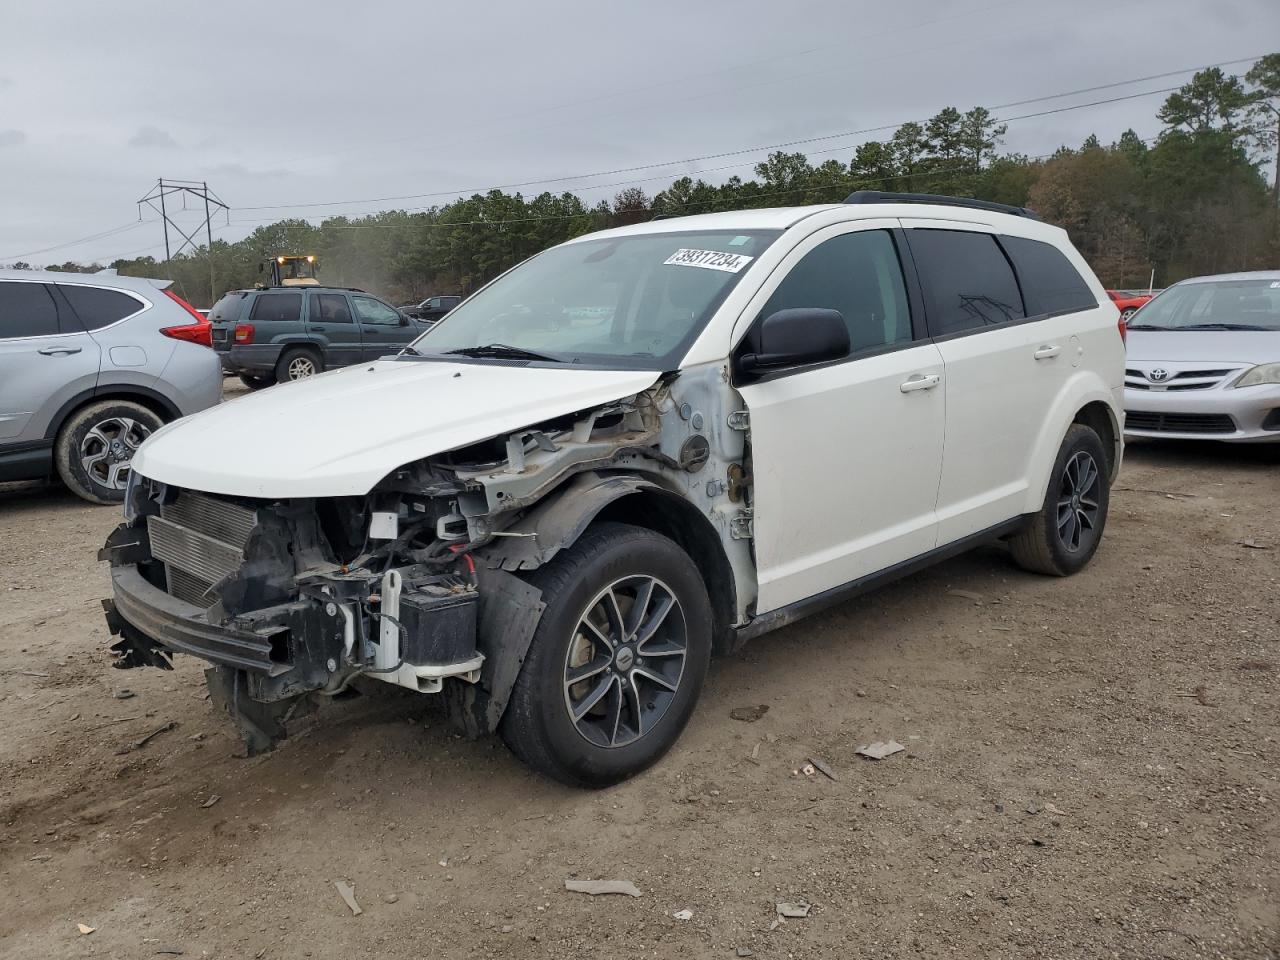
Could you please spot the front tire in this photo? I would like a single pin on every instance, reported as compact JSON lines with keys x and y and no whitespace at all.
{"x":257,"y":382}
{"x":617,"y":660}
{"x":96,"y":445}
{"x":1063,"y":537}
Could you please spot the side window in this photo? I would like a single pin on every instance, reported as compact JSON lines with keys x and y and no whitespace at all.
{"x":968,"y":283}
{"x":330,"y":308}
{"x":26,"y":310}
{"x":435,"y":303}
{"x":1050,"y":284}
{"x":857,"y":274}
{"x":98,"y":308}
{"x":276,"y":307}
{"x":370,"y":310}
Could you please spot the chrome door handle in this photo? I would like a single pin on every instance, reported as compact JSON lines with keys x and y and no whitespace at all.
{"x":920,"y":381}
{"x":55,"y":351}
{"x":1047,"y":352}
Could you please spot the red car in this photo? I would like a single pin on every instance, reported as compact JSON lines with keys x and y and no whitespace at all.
{"x":1128,"y":301}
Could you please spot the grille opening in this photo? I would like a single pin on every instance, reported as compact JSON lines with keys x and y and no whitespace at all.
{"x":1179,"y":422}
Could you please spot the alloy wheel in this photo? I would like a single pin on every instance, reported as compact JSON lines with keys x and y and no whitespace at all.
{"x":1078,"y":502}
{"x":301,"y":367}
{"x":625,"y":661}
{"x":107,"y":449}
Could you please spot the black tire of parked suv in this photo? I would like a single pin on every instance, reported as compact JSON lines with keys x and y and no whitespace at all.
{"x":96,"y":439}
{"x":538,"y":725}
{"x":293,"y":364}
{"x":257,"y":383}
{"x":1063,"y":537}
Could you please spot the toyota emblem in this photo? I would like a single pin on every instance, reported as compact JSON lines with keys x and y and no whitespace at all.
{"x":1158,"y":375}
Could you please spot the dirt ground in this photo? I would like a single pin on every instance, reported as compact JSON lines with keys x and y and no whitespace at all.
{"x":1092,"y":770}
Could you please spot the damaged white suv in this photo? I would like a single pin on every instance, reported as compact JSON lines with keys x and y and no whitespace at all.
{"x":629,"y":453}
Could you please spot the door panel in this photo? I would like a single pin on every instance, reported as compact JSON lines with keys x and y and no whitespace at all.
{"x":845,"y":456}
{"x":44,"y":361}
{"x":330,"y":320}
{"x":381,"y":330}
{"x":846,"y":469}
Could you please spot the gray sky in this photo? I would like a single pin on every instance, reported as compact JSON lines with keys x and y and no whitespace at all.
{"x":328,"y":100}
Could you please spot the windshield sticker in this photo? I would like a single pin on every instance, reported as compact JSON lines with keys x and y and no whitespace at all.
{"x":739,"y":241}
{"x":708,"y":260}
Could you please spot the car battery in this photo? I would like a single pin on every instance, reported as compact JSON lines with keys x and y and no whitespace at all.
{"x":439,"y":619}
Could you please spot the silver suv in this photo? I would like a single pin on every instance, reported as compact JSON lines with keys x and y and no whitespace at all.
{"x":90,"y":365}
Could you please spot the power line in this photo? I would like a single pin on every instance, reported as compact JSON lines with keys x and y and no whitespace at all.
{"x":756,"y":149}
{"x":123,"y":228}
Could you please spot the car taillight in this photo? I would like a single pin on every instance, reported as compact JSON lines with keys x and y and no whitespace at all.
{"x":244,"y":333}
{"x":201,"y":331}
{"x":1123,"y":326}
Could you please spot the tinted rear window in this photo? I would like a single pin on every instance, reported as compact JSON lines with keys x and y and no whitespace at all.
{"x":99,"y":308}
{"x":277,"y":307}
{"x":1050,"y":284}
{"x":227,"y":310}
{"x":968,"y":283}
{"x":26,"y":310}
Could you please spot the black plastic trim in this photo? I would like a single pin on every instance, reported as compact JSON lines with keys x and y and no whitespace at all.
{"x":30,"y":460}
{"x":880,"y":196}
{"x":847,"y":591}
{"x":112,"y":391}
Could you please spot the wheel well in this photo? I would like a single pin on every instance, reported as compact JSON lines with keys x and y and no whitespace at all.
{"x":680,"y":521}
{"x":1097,"y":416}
{"x":152,"y":401}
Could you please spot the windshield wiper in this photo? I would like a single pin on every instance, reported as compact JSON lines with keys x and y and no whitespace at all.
{"x":1223,"y":326}
{"x":502,"y":351}
{"x":1148,"y":326}
{"x":413,"y":351}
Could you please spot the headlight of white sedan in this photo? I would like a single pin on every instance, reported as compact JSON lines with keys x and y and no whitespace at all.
{"x":1262,"y":373}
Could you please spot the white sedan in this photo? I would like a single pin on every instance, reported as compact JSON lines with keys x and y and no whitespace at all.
{"x":1203,"y":361}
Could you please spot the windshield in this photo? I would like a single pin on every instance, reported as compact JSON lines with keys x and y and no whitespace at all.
{"x":634,"y":302}
{"x":1216,"y":305}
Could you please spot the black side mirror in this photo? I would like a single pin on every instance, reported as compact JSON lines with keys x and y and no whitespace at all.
{"x":796,"y":337}
{"x":404,"y":320}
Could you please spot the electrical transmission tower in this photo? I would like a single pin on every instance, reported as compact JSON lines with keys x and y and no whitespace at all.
{"x":198,"y":191}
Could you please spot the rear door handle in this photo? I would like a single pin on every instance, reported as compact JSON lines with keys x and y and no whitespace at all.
{"x":920,"y":381}
{"x":55,"y":351}
{"x":1047,"y":352}
{"x":317,"y":329}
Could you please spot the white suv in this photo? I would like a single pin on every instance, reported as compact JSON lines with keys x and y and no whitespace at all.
{"x":634,"y":450}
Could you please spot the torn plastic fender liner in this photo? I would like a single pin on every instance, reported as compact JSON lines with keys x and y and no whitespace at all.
{"x":560,"y":519}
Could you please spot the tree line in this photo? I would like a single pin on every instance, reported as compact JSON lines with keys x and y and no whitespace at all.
{"x":1192,"y":200}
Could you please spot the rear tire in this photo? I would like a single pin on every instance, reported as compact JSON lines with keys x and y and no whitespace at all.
{"x":298,"y":363}
{"x":96,"y":444}
{"x":640,"y":672}
{"x":257,"y":383}
{"x":1065,"y":534}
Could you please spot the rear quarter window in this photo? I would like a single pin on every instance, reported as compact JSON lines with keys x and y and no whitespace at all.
{"x":98,"y":308}
{"x":1050,"y":284}
{"x":227,"y":310}
{"x":276,"y":308}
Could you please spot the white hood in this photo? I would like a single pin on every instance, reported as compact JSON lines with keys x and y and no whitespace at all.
{"x":338,"y":434}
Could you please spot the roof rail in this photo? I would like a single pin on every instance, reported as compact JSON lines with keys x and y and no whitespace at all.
{"x":882,"y":196}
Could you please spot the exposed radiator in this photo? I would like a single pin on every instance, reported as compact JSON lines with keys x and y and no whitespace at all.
{"x":201,"y":540}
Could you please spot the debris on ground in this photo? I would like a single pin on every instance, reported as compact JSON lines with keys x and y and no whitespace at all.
{"x":808,"y":770}
{"x":124,"y":693}
{"x":880,"y":749}
{"x":749,"y":714}
{"x":602,"y":888}
{"x":755,"y":753}
{"x":347,"y":892}
{"x":683,"y":915}
{"x":1050,"y":808}
{"x":1252,"y":544}
{"x":85,"y":929}
{"x":139,"y":744}
{"x":213,"y":798}
{"x":743,"y":952}
{"x":170,"y":951}
{"x":965,"y":595}
{"x":823,"y":769}
{"x":793,"y":910}
{"x":390,"y":898}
